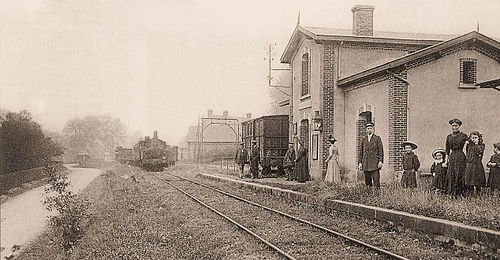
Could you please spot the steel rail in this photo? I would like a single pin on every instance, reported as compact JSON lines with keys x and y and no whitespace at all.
{"x":275,"y":248}
{"x":327,"y":230}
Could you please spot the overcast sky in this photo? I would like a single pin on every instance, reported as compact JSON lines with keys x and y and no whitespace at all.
{"x":158,"y":64}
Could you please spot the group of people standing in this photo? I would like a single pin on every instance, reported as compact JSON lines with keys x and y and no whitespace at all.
{"x":457,"y":169}
{"x":295,"y":164}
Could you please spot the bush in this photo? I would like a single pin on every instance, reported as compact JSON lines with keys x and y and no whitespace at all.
{"x":72,"y":209}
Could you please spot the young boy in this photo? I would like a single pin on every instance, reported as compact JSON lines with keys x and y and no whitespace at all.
{"x":494,"y":165}
{"x":410,"y":166}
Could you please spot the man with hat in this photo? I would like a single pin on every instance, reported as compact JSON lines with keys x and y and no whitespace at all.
{"x":289,"y":161}
{"x":254,"y":159}
{"x":371,"y":156}
{"x":410,"y":166}
{"x":241,"y":158}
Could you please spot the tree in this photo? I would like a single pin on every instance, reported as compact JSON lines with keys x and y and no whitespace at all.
{"x":93,"y":134}
{"x":23,"y":142}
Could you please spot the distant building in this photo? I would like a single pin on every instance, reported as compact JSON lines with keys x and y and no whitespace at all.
{"x":215,"y":137}
{"x":408,"y":84}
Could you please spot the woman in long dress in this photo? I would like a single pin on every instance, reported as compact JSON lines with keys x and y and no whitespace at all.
{"x":332,"y":170}
{"x":456,"y":158}
{"x":301,"y":163}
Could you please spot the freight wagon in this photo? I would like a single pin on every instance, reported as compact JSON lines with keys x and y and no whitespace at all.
{"x":271,"y":134}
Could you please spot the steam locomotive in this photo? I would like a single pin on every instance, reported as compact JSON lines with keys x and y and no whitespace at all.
{"x":151,"y":154}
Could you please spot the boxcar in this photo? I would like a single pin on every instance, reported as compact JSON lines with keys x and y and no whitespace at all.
{"x":271,"y":133}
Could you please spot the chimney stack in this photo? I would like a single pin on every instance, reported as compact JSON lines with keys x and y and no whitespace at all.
{"x":155,"y":134}
{"x":210,"y":112}
{"x":362,"y":20}
{"x":249,"y":115}
{"x":225,"y":113}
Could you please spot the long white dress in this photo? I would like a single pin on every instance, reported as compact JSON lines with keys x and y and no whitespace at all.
{"x":332,"y":171}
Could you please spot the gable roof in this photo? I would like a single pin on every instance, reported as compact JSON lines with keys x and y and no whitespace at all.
{"x":331,"y":34}
{"x":432,"y":50}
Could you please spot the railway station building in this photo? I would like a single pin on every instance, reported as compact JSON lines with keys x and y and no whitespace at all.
{"x":410,"y":85}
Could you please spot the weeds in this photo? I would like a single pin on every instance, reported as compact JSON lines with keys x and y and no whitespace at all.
{"x":71,"y":209}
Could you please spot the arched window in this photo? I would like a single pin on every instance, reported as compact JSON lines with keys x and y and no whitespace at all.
{"x":305,"y":74}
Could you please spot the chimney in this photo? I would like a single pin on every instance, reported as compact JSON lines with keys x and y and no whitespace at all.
{"x":210,"y":112}
{"x":249,"y":115}
{"x":155,"y":134}
{"x":362,"y":20}
{"x":224,"y":113}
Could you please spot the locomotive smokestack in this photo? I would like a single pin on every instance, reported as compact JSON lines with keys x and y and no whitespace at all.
{"x":155,"y":134}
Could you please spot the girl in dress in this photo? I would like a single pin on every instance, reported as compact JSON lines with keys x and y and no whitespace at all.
{"x":332,"y":170}
{"x":474,"y":170}
{"x":438,"y":170}
{"x":494,"y":165}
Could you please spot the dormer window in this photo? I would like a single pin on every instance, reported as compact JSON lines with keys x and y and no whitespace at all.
{"x":305,"y":74}
{"x":468,"y":72}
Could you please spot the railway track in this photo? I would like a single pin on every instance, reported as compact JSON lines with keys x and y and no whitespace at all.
{"x":246,"y":220}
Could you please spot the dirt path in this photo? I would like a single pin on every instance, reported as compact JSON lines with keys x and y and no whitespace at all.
{"x":24,"y":216}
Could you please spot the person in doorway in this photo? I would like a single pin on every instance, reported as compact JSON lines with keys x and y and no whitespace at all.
{"x":241,"y":158}
{"x":475,"y":177}
{"x":288,"y":162}
{"x":494,"y":165}
{"x":254,"y":159}
{"x":332,"y":169}
{"x":302,"y":163}
{"x":371,"y":156}
{"x":410,"y":166}
{"x":438,"y":170}
{"x":455,"y":143}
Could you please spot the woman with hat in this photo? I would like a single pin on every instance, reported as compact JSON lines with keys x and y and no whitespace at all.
{"x":474,"y":170}
{"x":456,"y":158}
{"x":332,"y":170}
{"x":438,"y":170}
{"x":302,"y":163}
{"x":288,"y":162}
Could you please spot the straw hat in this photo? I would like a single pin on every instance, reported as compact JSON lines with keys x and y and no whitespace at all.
{"x":413,"y":146}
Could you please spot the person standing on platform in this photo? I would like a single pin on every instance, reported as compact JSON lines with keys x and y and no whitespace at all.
{"x":475,"y":177}
{"x":438,"y":170}
{"x":302,"y":163}
{"x":455,"y":143}
{"x":254,"y":159}
{"x":371,"y":156}
{"x":332,"y":169}
{"x":494,"y":165}
{"x":410,"y":166}
{"x":241,"y":158}
{"x":288,"y":162}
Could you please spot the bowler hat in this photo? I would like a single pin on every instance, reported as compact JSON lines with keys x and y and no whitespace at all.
{"x":369,"y":124}
{"x":439,"y":150}
{"x":455,"y":121}
{"x":413,"y":146}
{"x":496,"y":145}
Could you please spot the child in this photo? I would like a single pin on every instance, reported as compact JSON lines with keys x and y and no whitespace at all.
{"x":410,"y":166}
{"x":474,"y":176}
{"x":494,"y":165}
{"x":438,"y":170}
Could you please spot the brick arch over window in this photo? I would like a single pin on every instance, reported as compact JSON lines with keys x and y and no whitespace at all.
{"x":305,"y":74}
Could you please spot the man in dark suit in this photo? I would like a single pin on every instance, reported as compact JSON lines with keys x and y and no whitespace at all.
{"x":371,"y":156}
{"x":254,"y":159}
{"x":241,"y":158}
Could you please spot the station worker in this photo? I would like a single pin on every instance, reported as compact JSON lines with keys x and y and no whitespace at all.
{"x":254,"y":159}
{"x":241,"y":158}
{"x":371,"y":156}
{"x":288,"y":162}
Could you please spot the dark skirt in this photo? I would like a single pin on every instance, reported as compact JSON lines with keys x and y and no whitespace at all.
{"x":302,"y":171}
{"x":455,"y":174}
{"x":474,"y":175}
{"x":439,"y":181}
{"x":409,"y":180}
{"x":494,"y":178}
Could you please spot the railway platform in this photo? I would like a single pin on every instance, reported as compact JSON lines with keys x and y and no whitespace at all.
{"x":461,"y":233}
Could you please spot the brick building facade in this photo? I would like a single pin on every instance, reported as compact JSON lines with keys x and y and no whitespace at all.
{"x":346,"y":78}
